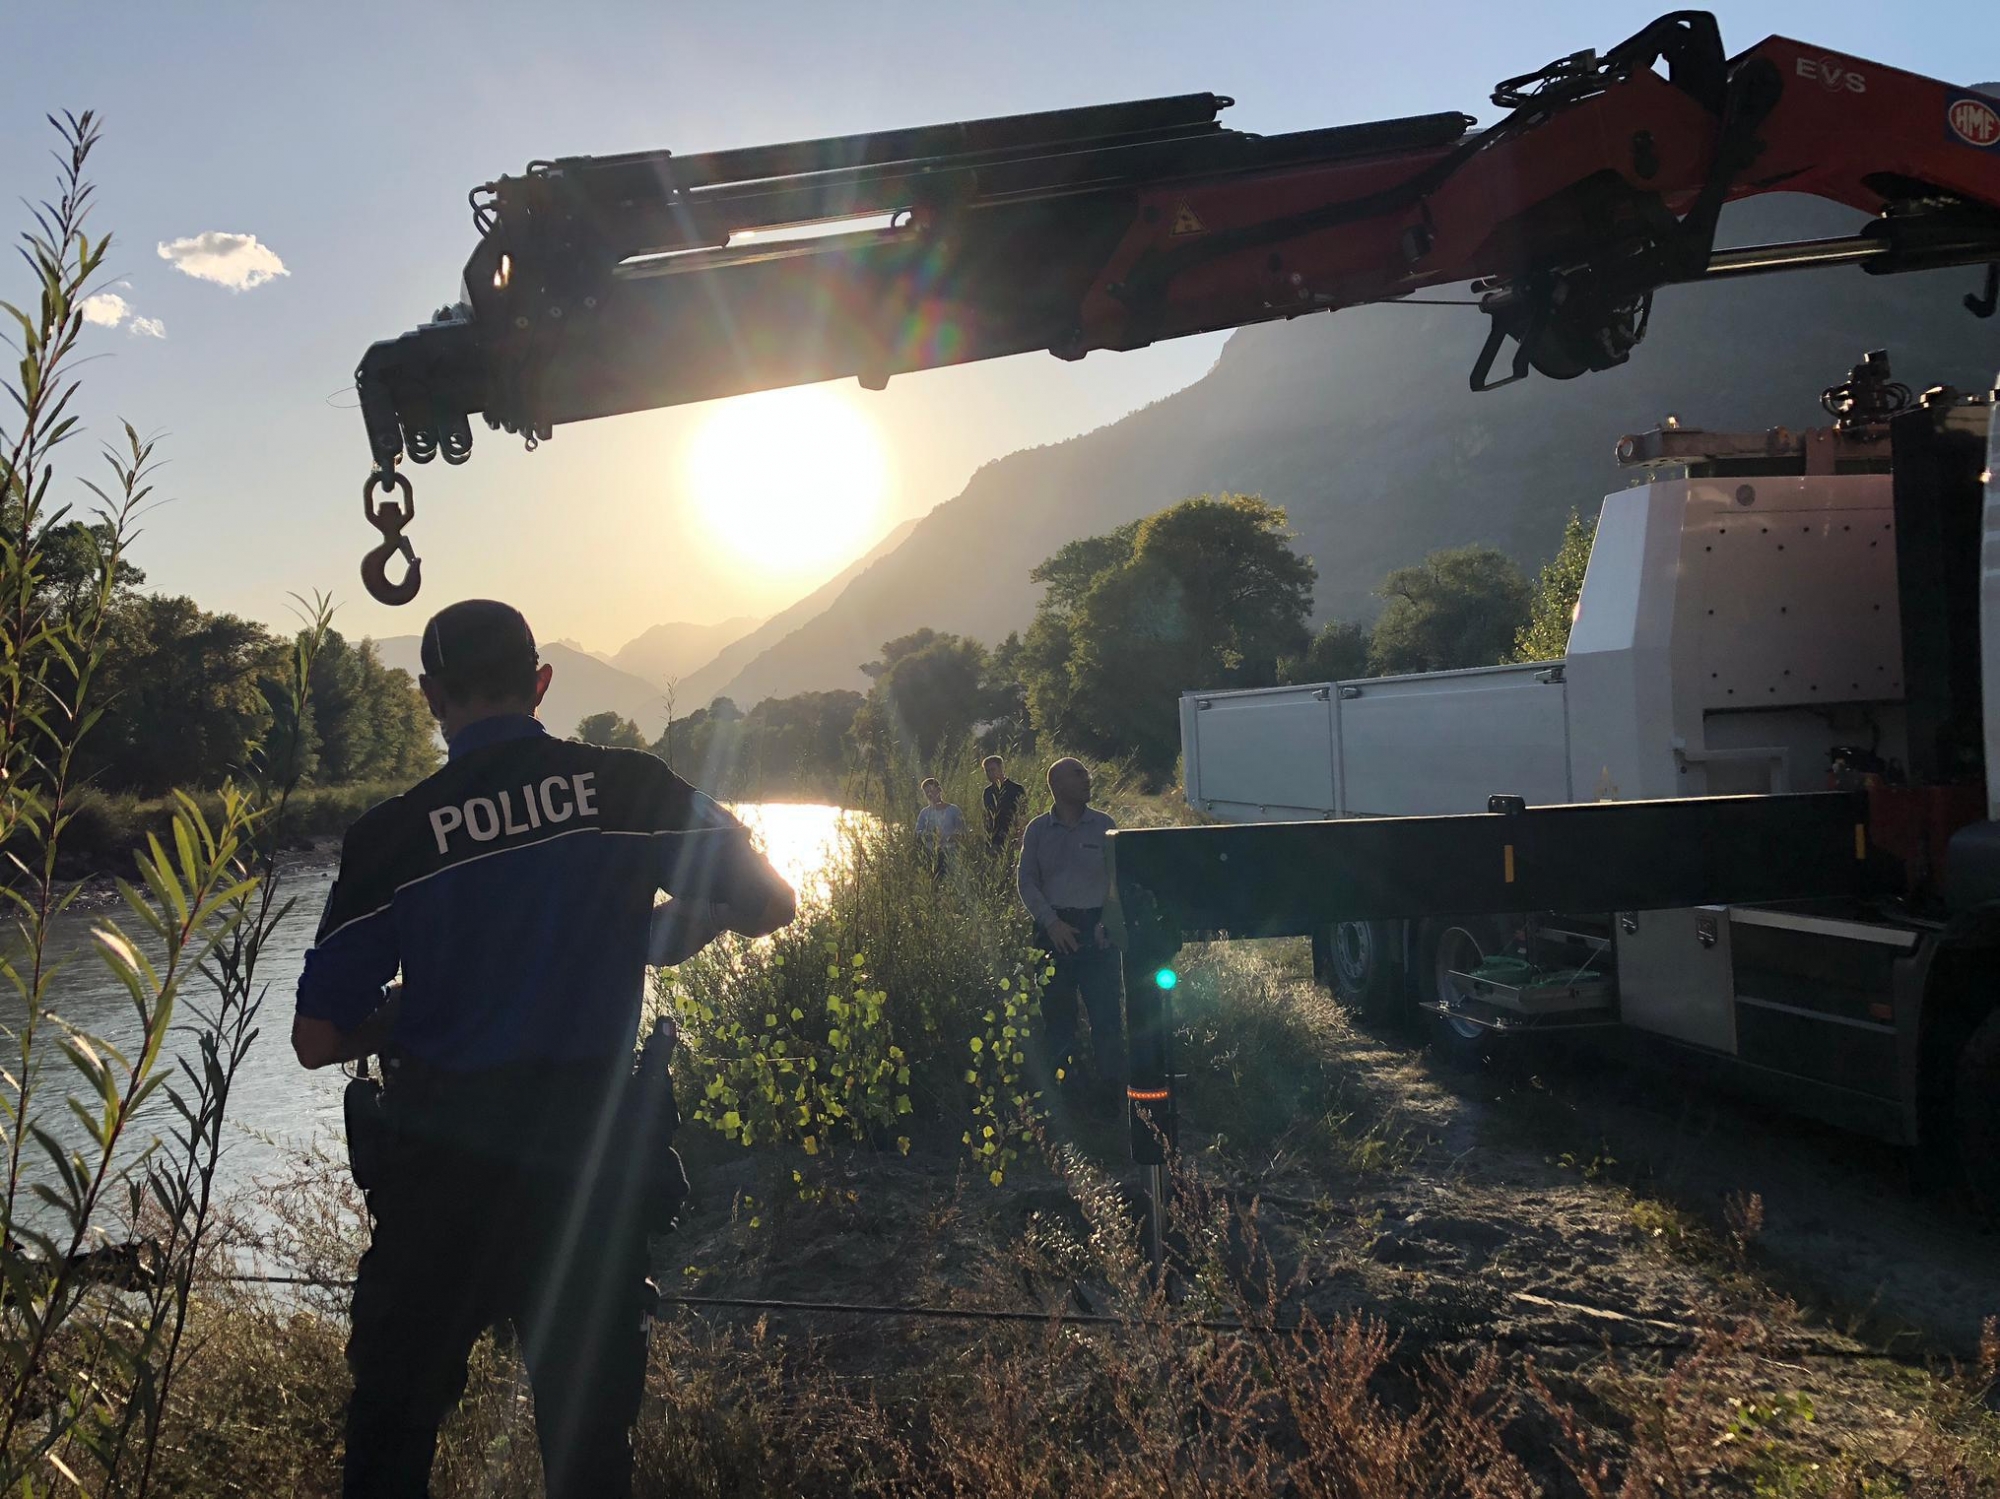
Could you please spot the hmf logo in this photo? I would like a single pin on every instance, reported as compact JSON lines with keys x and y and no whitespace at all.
{"x":1833,"y":74}
{"x":1974,"y":121}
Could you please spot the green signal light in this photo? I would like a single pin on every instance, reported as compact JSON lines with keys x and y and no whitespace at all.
{"x":1166,"y":978}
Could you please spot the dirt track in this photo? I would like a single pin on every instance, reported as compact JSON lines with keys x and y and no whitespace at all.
{"x":1557,"y":1199}
{"x":1591,"y":1223}
{"x":1545,"y":1177}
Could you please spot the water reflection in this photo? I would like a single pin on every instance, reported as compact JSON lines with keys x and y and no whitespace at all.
{"x":801,"y":839}
{"x":278,"y":1107}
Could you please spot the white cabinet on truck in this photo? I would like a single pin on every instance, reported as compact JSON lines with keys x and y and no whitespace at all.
{"x":1729,"y":635}
{"x":1387,"y":746}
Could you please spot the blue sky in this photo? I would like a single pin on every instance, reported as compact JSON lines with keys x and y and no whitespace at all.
{"x":344,"y":138}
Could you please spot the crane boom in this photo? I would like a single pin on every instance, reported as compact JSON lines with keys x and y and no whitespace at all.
{"x":603,"y":285}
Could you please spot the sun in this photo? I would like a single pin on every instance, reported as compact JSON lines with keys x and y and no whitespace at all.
{"x":790,"y":481}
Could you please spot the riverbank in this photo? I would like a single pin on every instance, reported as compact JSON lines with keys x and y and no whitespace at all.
{"x":107,"y":831}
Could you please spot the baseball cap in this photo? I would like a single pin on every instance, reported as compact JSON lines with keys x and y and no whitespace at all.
{"x":480,"y":649}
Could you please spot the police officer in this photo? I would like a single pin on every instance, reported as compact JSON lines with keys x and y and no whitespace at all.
{"x":514,"y":890}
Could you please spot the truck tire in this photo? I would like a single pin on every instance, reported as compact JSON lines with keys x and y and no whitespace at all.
{"x":1445,"y":945}
{"x":1976,"y":1116}
{"x":1364,"y":972}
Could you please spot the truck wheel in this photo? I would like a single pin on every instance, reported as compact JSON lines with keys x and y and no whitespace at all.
{"x":1977,"y":1116}
{"x":1444,"y":947}
{"x":1363,"y":972}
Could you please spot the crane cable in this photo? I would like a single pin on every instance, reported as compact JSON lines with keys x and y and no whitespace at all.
{"x":1059,"y":1316}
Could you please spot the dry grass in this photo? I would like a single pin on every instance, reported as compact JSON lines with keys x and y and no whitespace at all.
{"x":1335,"y":1407}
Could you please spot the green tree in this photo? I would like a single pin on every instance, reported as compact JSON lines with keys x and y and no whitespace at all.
{"x":408,"y":742}
{"x":1207,"y":593}
{"x":1069,"y":576}
{"x":708,"y":751}
{"x":928,"y":692}
{"x":612,"y":731}
{"x":1462,"y":606}
{"x":804,"y":739}
{"x":1337,"y":653}
{"x":73,"y":558}
{"x":1005,"y":693}
{"x":187,"y":706}
{"x":800,"y":743}
{"x":369,"y":721}
{"x":1551,"y":612}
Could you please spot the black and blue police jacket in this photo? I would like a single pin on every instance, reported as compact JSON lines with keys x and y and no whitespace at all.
{"x":513,"y":891}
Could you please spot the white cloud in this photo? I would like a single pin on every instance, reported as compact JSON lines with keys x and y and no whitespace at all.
{"x":107,"y":309}
{"x":240,"y":262}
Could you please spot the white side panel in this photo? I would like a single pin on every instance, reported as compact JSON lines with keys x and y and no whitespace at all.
{"x":1792,"y":584}
{"x":1190,"y":751}
{"x":1266,"y":753}
{"x":1621,"y":690}
{"x":1444,"y":742}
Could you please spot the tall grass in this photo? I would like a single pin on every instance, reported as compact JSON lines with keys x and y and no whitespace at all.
{"x":896,"y":1011}
{"x":104,"y":1228}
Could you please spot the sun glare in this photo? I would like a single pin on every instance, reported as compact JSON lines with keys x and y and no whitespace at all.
{"x":788,"y":480}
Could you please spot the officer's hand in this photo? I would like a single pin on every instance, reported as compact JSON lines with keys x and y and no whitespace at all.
{"x":779,"y":907}
{"x":681,"y":928}
{"x":1062,"y":936}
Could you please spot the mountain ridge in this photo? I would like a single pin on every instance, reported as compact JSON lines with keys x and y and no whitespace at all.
{"x":725,"y":675}
{"x":582,"y":685}
{"x":665,"y":652}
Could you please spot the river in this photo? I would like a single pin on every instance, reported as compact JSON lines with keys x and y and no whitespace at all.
{"x":277,"y":1107}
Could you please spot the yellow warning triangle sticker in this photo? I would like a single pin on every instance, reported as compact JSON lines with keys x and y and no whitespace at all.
{"x":1186,"y":221}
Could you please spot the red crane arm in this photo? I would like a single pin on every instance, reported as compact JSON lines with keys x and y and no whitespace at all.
{"x":608,"y":284}
{"x":1580,"y":191}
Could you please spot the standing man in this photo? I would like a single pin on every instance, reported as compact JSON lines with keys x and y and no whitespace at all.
{"x":1003,"y":804}
{"x":514,"y":890}
{"x":939,"y":826}
{"x":1063,"y":884}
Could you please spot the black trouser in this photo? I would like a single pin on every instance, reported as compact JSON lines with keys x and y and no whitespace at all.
{"x":489,"y":1211}
{"x":1092,"y":974}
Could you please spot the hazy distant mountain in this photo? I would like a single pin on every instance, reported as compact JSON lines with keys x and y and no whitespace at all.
{"x":582,"y":685}
{"x":578,"y":645}
{"x":726,"y":676}
{"x":1361,"y":425}
{"x":666,"y":652}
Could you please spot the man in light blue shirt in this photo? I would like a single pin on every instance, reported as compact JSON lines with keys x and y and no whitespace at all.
{"x":1063,"y":883}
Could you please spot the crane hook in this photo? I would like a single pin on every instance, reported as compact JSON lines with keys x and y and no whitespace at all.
{"x":390,"y":521}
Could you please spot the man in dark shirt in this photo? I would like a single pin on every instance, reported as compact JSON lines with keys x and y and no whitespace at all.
{"x":514,"y":890}
{"x":1003,"y":805}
